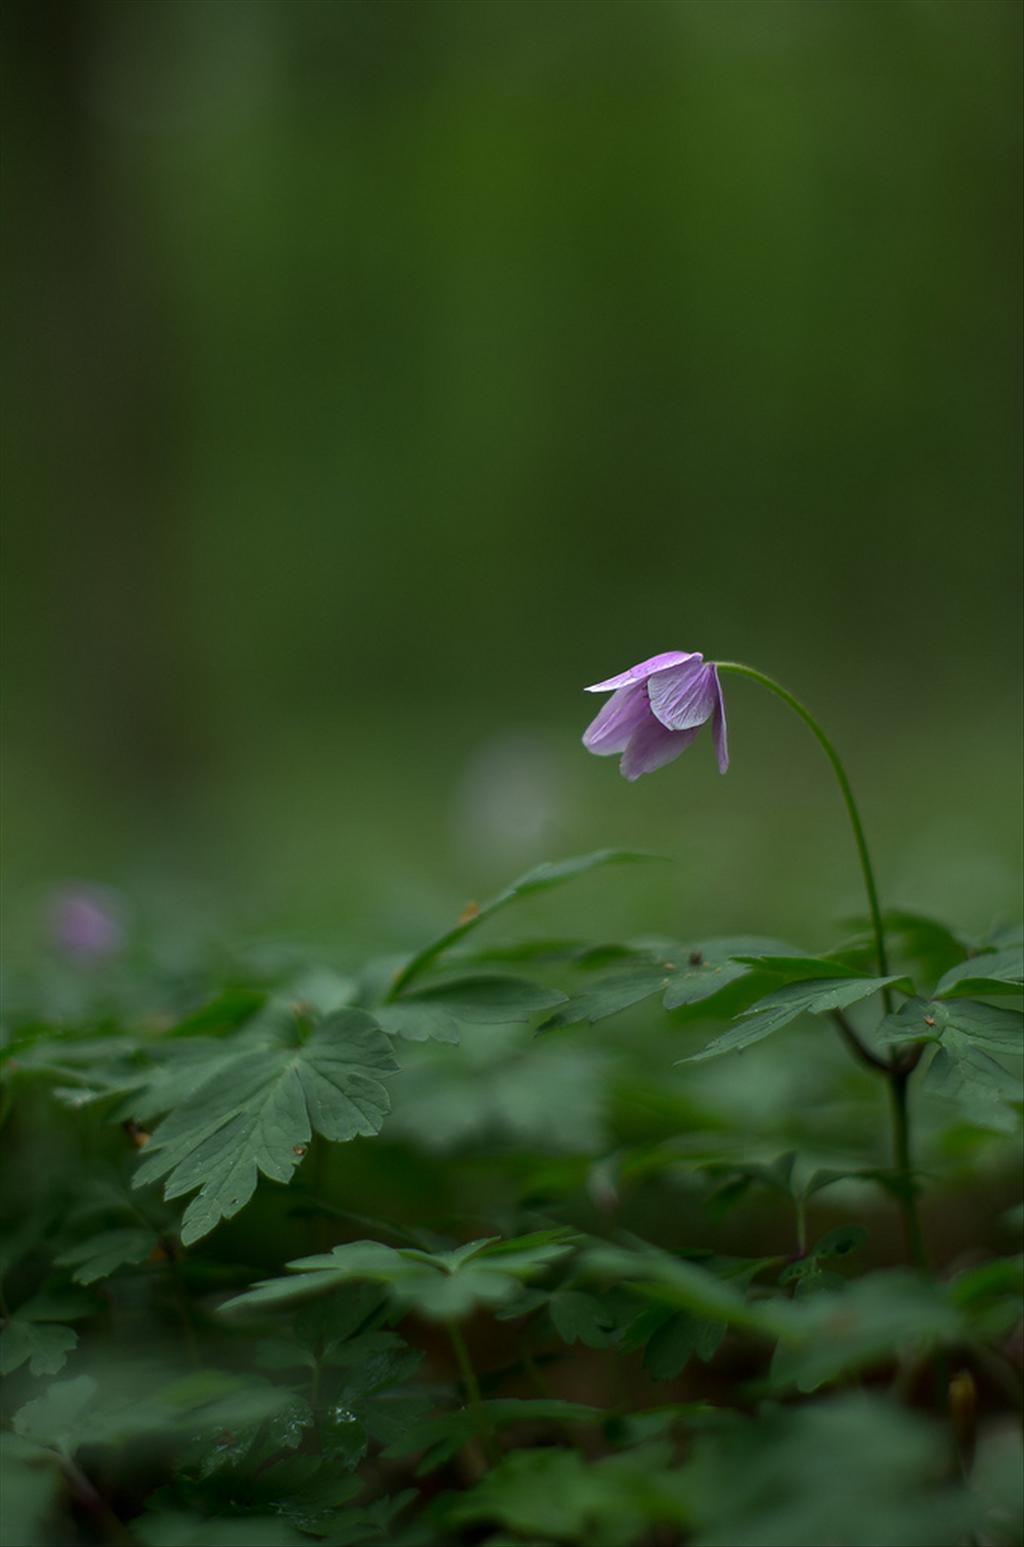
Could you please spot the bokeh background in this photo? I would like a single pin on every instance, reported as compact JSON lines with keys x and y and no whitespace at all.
{"x":378,"y":373}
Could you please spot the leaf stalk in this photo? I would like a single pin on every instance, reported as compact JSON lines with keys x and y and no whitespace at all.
{"x":471,"y":1386}
{"x":848,"y":800}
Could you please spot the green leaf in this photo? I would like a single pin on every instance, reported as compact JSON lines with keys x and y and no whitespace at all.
{"x":103,"y":1254}
{"x":799,"y":968}
{"x":371,"y":1522}
{"x":678,"y":1338}
{"x":778,"y":1175}
{"x":257,"y":1113}
{"x":684,"y":975}
{"x":1001,"y":1278}
{"x":418,"y":1021}
{"x":183,"y":1528}
{"x":548,"y":1493}
{"x":135,"y":1400}
{"x":442,"y":1436}
{"x":58,"y":1418}
{"x":542,"y":1094}
{"x":30,"y":1487}
{"x":30,"y":1334}
{"x":815,"y":996}
{"x":704,"y":967}
{"x":444,"y":1286}
{"x":580,"y":1317}
{"x":684,"y":1286}
{"x":224,"y":1014}
{"x":836,"y":1243}
{"x":44,"y":1345}
{"x":609,"y":996}
{"x":883,"y":1316}
{"x":964,"y":1074}
{"x":988,"y":1026}
{"x":540,"y":879}
{"x":485,"y":998}
{"x":851,"y":1469}
{"x":1001,"y":972}
{"x":250,"y":1441}
{"x":923,"y":939}
{"x":307,"y":1490}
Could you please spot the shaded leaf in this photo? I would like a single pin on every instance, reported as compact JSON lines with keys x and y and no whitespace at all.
{"x":686,"y":1286}
{"x":418,"y":1021}
{"x":836,"y":1243}
{"x":814,"y":996}
{"x":183,"y":1528}
{"x":580,"y":1317}
{"x":965,"y":1074}
{"x":44,"y":1346}
{"x":883,"y":1316}
{"x":483,"y":998}
{"x":258,"y":1110}
{"x":988,"y":1026}
{"x":703,"y":967}
{"x":1001,"y":972}
{"x":444,"y":1286}
{"x":441,"y":1437}
{"x":540,"y":879}
{"x":610,"y":996}
{"x":853,"y":1471}
{"x":30,"y":1488}
{"x":103,"y":1254}
{"x":681,"y":1336}
{"x":225,"y":1013}
{"x":555,"y":1493}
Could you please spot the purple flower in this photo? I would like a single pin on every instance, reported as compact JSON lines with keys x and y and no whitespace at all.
{"x":656,"y":710}
{"x":83,"y":924}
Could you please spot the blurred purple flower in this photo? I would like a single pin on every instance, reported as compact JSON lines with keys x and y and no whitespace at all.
{"x":83,"y":924}
{"x":656,"y":710}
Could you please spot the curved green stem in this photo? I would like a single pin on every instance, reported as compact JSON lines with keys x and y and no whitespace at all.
{"x":898,"y":1069}
{"x":844,"y":789}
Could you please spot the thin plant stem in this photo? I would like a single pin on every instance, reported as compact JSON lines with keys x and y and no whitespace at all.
{"x":800,"y":1205}
{"x":844,"y":789}
{"x":109,"y":1524}
{"x":471,"y":1386}
{"x":898,"y":1081}
{"x":898,"y":1069}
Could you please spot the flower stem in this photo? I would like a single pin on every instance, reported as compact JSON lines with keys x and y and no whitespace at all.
{"x":844,"y":789}
{"x":896,"y":1071}
{"x":474,"y":1401}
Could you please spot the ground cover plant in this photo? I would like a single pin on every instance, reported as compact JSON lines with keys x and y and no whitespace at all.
{"x":520,"y":1238}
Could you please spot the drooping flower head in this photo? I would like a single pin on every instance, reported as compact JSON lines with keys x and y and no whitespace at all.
{"x":656,"y":710}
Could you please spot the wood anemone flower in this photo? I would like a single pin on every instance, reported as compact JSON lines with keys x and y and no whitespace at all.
{"x":656,"y":710}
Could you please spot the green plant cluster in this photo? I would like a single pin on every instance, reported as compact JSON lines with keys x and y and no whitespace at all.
{"x":406,"y":1253}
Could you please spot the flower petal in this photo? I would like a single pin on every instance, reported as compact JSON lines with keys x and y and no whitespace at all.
{"x":644,"y":670}
{"x":651,"y":746}
{"x":619,"y":719}
{"x":718,"y":727}
{"x":683,"y":697}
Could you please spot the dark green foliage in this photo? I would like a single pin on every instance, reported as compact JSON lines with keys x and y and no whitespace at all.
{"x":271,"y":1363}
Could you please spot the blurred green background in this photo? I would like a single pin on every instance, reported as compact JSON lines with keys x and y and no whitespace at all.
{"x":378,"y":374}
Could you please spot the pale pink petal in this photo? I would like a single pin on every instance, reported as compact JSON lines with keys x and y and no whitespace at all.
{"x":651,"y":746}
{"x":683,"y":697}
{"x":619,"y":718}
{"x":718,"y":727}
{"x":644,"y":670}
